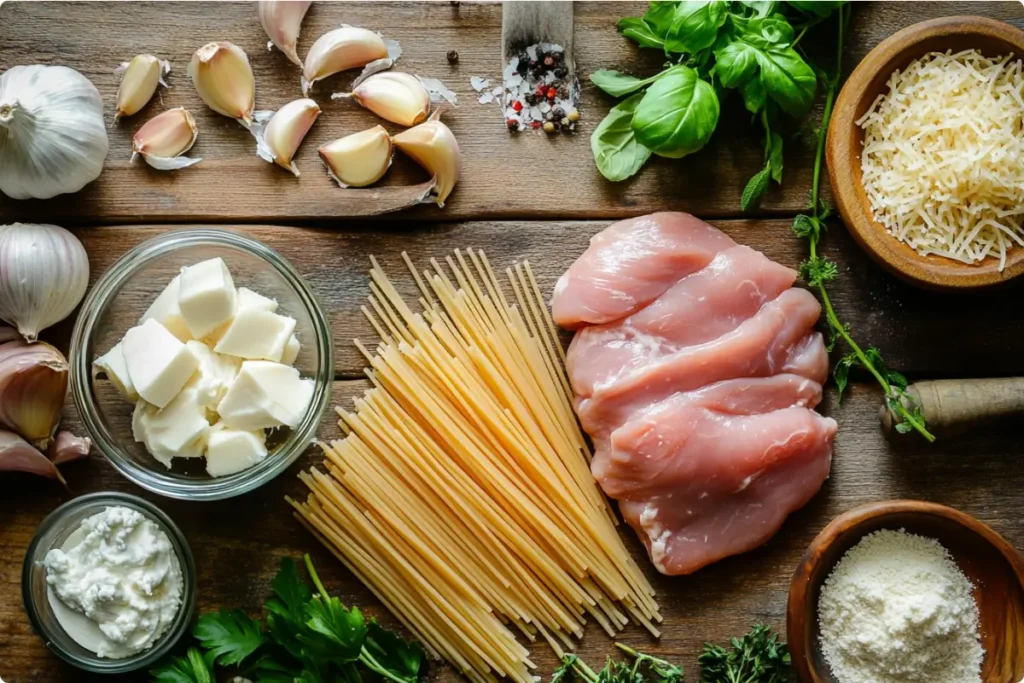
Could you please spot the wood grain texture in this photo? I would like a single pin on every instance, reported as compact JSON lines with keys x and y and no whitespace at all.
{"x":504,"y":176}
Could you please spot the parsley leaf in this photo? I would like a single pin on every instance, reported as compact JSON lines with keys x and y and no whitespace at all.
{"x":386,"y":653}
{"x":230,"y":636}
{"x":335,"y":634}
{"x":290,"y":593}
{"x":564,"y":671}
{"x":188,"y":669}
{"x":818,"y":270}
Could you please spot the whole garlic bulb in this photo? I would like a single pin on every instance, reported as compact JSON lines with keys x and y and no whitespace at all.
{"x":52,"y":136}
{"x":44,"y":272}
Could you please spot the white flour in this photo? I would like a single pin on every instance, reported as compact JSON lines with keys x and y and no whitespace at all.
{"x":897,"y":609}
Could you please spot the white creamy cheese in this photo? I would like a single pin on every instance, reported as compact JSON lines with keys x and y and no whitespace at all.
{"x":250,"y":299}
{"x":265,"y":395}
{"x":114,"y":365}
{"x":158,"y":363}
{"x":291,"y":351}
{"x":229,"y":451}
{"x":257,"y":334}
{"x":215,"y":375}
{"x":116,"y":584}
{"x":165,"y":310}
{"x":207,"y":296}
{"x":176,"y":431}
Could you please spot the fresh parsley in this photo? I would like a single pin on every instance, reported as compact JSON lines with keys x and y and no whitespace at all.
{"x":307,"y":636}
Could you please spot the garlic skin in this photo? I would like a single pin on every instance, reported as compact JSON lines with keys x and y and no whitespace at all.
{"x":345,"y":48}
{"x":222,"y":76}
{"x":33,"y":386}
{"x":67,"y":447}
{"x":164,"y":138}
{"x":18,"y":455}
{"x":278,"y":141}
{"x":44,"y":272}
{"x":282,"y":20}
{"x":433,"y":146}
{"x":139,"y":80}
{"x":394,"y":96}
{"x":359,"y":159}
{"x":53,"y":139}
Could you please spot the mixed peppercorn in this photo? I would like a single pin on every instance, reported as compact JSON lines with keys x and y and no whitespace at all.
{"x":538,"y":92}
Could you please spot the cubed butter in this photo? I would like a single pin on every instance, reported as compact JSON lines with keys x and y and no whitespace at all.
{"x":158,"y":363}
{"x":165,"y":310}
{"x":215,"y":375}
{"x":265,"y":395}
{"x":112,"y":363}
{"x":206,"y":296}
{"x":250,"y":299}
{"x":291,"y":350}
{"x":176,"y":431}
{"x":230,"y":450}
{"x":257,"y":334}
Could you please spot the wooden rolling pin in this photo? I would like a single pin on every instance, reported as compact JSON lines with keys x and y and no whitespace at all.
{"x":959,"y":406}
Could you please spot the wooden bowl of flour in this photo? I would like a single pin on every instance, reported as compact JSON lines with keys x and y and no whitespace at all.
{"x":993,"y":566}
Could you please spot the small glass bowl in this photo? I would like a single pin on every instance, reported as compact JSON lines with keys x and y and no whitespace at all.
{"x":120,"y":298}
{"x":52,"y":533}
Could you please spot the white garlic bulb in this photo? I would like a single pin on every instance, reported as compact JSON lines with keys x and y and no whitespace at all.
{"x":52,"y":136}
{"x":44,"y":272}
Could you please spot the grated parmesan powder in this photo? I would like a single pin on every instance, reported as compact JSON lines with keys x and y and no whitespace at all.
{"x":943,"y":158}
{"x":897,"y":609}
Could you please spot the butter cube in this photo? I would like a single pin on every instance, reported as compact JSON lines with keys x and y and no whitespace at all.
{"x":291,"y":350}
{"x":215,"y":375}
{"x":250,"y":299}
{"x":256,"y":334}
{"x":165,"y":310}
{"x":158,"y":363}
{"x":229,"y":451}
{"x":265,"y":395}
{"x":176,"y":431}
{"x":206,"y":296}
{"x":112,"y":363}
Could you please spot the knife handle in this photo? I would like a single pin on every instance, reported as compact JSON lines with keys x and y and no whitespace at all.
{"x":958,"y":406}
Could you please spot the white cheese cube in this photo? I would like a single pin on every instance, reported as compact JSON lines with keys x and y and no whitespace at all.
{"x":265,"y":395}
{"x":176,"y":431}
{"x":206,"y":296}
{"x":229,"y":451}
{"x":158,"y":363}
{"x":165,"y":310}
{"x":256,"y":334}
{"x":215,"y":375}
{"x":291,"y":351}
{"x":250,"y":299}
{"x":112,"y":363}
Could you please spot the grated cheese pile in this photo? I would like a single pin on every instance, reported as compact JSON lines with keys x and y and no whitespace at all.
{"x":943,"y":159}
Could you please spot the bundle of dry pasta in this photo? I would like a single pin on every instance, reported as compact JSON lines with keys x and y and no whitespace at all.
{"x":461,"y":495}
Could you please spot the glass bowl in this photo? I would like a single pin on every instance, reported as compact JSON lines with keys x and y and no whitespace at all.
{"x":52,"y":533}
{"x":120,"y":298}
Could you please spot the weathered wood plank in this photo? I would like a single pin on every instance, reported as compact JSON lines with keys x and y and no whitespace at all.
{"x":504,"y":176}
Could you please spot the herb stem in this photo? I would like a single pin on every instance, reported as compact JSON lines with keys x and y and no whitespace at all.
{"x":313,"y":575}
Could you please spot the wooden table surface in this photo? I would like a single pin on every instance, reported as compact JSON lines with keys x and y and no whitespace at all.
{"x":520,"y":196}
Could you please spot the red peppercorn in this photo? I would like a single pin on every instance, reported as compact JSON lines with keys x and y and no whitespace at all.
{"x":541,"y":90}
{"x":551,"y":93}
{"x":512,"y":124}
{"x":535,"y":124}
{"x":517,"y":105}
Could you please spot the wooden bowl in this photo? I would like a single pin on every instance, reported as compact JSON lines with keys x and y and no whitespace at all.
{"x":846,"y":140}
{"x":993,"y":566}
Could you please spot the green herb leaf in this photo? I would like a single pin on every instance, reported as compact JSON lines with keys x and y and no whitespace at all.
{"x":230,"y":636}
{"x":341,"y":630}
{"x":563,"y":673}
{"x":841,"y":372}
{"x":677,"y":114}
{"x":640,"y":31}
{"x":615,"y":147}
{"x":758,"y":657}
{"x":775,"y":156}
{"x":755,"y":189}
{"x":188,"y":669}
{"x":818,"y":270}
{"x":806,"y":227}
{"x":389,"y":655}
{"x":820,"y":8}
{"x":618,"y":84}
{"x":290,"y":593}
{"x":755,"y":97}
{"x":694,"y":25}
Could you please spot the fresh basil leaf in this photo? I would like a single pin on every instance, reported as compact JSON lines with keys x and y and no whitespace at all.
{"x":677,"y":114}
{"x":775,"y":156}
{"x":788,"y":79}
{"x":640,"y":31}
{"x":230,"y":636}
{"x":695,"y":25}
{"x":659,"y":17}
{"x":386,"y":653}
{"x":760,"y":8}
{"x":754,"y":95}
{"x":616,"y":150}
{"x":755,"y":189}
{"x":618,"y":84}
{"x":341,"y":631}
{"x":820,"y":8}
{"x":736,"y":64}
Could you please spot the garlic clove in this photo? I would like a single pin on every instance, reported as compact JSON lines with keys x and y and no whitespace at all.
{"x":433,"y":146}
{"x":164,"y":138}
{"x":33,"y":386}
{"x":359,"y":159}
{"x":67,"y":447}
{"x":222,"y":76}
{"x":278,"y":141}
{"x":139,"y":81}
{"x":282,"y":20}
{"x":18,"y":455}
{"x":44,"y":272}
{"x":394,"y":96}
{"x":347,"y":48}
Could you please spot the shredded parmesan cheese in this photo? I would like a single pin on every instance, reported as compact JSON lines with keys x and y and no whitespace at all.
{"x":943,"y":159}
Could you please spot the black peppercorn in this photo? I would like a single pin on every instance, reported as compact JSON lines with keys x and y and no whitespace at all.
{"x":549,"y":117}
{"x":558,"y":113}
{"x":560,"y":72}
{"x":453,"y":56}
{"x":531,"y":99}
{"x":512,"y":124}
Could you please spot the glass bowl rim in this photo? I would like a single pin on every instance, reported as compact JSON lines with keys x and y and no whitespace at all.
{"x":81,"y":365}
{"x":181,"y":622}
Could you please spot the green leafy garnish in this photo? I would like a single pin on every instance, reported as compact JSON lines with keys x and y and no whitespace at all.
{"x":757,"y":657}
{"x":188,"y":669}
{"x":230,"y":636}
{"x":616,"y":150}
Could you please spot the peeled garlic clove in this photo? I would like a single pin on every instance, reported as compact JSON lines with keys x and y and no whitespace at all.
{"x":164,"y":138}
{"x":278,"y":141}
{"x":33,"y":386}
{"x":67,"y":447}
{"x":394,"y":96}
{"x":282,"y":20}
{"x":345,"y":48}
{"x":222,"y":76}
{"x":139,"y":81}
{"x":359,"y":159}
{"x":433,"y":146}
{"x":18,"y":455}
{"x":44,"y":272}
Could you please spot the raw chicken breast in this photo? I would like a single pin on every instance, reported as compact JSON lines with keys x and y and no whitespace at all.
{"x":630,"y":263}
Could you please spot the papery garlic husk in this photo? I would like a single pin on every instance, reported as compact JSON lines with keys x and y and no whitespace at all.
{"x":18,"y":455}
{"x":44,"y":272}
{"x":392,"y":95}
{"x":345,"y":48}
{"x":164,"y":138}
{"x":53,"y":139}
{"x":282,"y":20}
{"x":33,"y":386}
{"x":222,"y":76}
{"x":433,"y":146}
{"x":278,"y":141}
{"x":67,"y":447}
{"x":359,"y":159}
{"x":139,"y":80}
